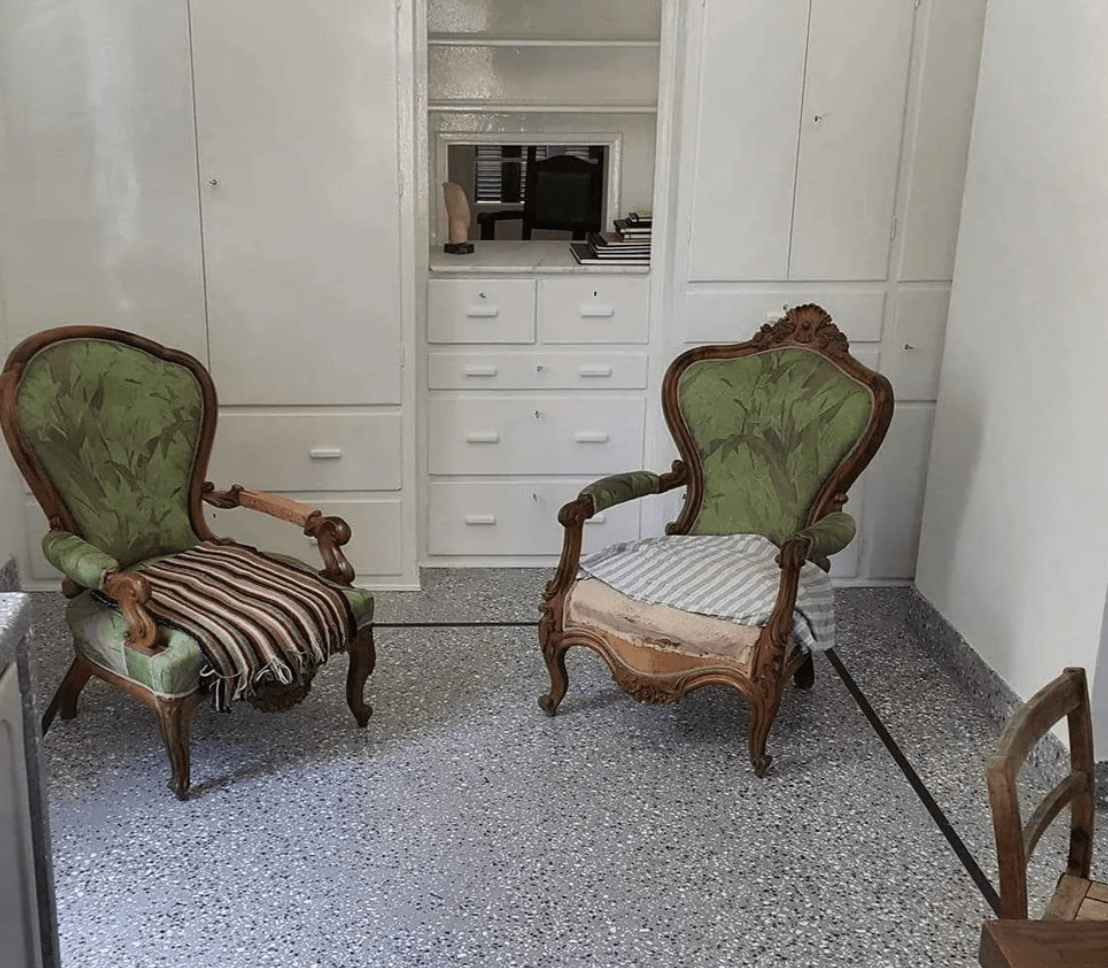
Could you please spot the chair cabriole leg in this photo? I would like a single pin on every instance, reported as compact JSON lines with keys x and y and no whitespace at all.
{"x":174,"y":717}
{"x":363,"y":657}
{"x":763,"y":711}
{"x":65,"y":699}
{"x":805,"y":676}
{"x":555,"y":657}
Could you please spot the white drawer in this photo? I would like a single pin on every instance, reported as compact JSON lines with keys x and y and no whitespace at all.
{"x":594,"y":309}
{"x":734,"y":316}
{"x":536,"y":369}
{"x":375,"y":548}
{"x":517,"y":518}
{"x":481,"y":311}
{"x":307,"y":451}
{"x":499,"y":434}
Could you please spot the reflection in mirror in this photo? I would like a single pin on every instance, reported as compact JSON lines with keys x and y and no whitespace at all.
{"x":532,"y":191}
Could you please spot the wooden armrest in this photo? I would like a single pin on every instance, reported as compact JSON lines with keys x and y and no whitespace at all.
{"x":330,"y":532}
{"x":131,"y":592}
{"x":278,"y":507}
{"x":616,"y":489}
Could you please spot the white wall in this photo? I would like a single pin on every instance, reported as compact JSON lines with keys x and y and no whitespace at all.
{"x":1013,"y":549}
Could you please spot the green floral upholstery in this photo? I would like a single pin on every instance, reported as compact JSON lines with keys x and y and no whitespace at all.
{"x":116,"y":430}
{"x":770,"y":428}
{"x":77,"y":559}
{"x":609,"y":491}
{"x":99,"y":633}
{"x":830,"y":534}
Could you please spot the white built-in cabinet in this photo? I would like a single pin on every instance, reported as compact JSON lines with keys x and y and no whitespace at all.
{"x":258,"y":184}
{"x":535,"y":369}
{"x":536,"y":387}
{"x":820,"y":158}
{"x":224,"y":176}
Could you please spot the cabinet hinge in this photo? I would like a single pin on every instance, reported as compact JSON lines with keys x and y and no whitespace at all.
{"x":403,"y":357}
{"x":896,"y":223}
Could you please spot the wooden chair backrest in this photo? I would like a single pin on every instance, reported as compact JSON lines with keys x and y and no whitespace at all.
{"x":119,"y":444}
{"x":1067,"y":697}
{"x":774,"y":430}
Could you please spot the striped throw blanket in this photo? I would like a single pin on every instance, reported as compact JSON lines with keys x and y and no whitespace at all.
{"x":255,"y":618}
{"x":728,"y":576}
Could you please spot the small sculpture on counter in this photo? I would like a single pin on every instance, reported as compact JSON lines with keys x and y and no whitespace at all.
{"x":458,"y":219}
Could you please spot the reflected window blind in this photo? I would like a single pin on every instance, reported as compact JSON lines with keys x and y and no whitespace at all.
{"x":501,"y":170}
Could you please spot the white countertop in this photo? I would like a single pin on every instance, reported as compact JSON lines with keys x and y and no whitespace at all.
{"x":496,"y":257}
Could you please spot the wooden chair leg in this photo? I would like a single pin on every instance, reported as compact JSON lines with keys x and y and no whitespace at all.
{"x":805,"y":676}
{"x":174,"y":717}
{"x":555,"y":657}
{"x":762,"y":714}
{"x":363,"y":657}
{"x":65,"y":699}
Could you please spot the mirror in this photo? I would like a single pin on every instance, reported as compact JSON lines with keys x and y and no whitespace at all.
{"x":569,"y":186}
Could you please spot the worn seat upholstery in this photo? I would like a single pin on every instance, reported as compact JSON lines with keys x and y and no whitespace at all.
{"x":113,"y":433}
{"x":771,"y":433}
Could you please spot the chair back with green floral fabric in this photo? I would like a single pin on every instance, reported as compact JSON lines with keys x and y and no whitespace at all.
{"x":113,"y":433}
{"x":773,"y":430}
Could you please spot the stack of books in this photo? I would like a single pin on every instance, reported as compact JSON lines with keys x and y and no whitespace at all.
{"x":628,"y":245}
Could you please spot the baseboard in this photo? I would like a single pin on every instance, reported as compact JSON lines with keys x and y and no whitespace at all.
{"x":998,"y":699}
{"x":9,"y":576}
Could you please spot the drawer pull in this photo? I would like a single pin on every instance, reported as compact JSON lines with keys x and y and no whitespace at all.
{"x":591,"y":437}
{"x":325,"y":453}
{"x":480,"y":369}
{"x":594,"y":369}
{"x":596,"y":519}
{"x":479,"y":519}
{"x":595,"y":312}
{"x":483,"y":437}
{"x":482,"y":312}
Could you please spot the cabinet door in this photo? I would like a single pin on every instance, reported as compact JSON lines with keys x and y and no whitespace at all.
{"x":743,"y":137}
{"x":948,"y":83}
{"x":850,"y":134}
{"x":98,"y":210}
{"x":894,"y":486}
{"x":296,"y":116}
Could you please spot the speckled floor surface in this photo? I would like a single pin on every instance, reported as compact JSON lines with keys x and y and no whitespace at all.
{"x":464,"y":827}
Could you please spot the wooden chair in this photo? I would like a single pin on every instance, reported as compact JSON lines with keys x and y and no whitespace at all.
{"x":771,"y":432}
{"x":1076,"y":898}
{"x":563,"y":193}
{"x":113,"y":433}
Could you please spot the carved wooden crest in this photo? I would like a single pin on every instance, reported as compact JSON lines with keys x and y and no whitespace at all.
{"x":807,"y":325}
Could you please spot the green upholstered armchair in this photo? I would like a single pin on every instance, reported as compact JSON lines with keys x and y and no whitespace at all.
{"x":771,"y":433}
{"x":113,"y":433}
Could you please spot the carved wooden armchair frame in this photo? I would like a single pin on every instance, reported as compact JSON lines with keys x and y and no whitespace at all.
{"x":130,"y":591}
{"x":773,"y":663}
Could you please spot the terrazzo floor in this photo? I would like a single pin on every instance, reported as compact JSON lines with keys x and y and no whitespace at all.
{"x":464,"y":827}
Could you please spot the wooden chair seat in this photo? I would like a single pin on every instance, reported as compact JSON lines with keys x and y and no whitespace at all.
{"x":1078,"y":899}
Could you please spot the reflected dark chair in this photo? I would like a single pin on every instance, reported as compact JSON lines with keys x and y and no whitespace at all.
{"x":563,"y":193}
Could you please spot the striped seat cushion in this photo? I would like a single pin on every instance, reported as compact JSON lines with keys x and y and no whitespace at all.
{"x":734,"y":577}
{"x":254,"y":617}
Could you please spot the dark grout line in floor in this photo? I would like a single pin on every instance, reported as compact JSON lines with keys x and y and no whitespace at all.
{"x":984,"y":885}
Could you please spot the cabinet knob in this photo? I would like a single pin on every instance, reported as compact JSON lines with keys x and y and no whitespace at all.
{"x":214,"y":182}
{"x":817,"y":118}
